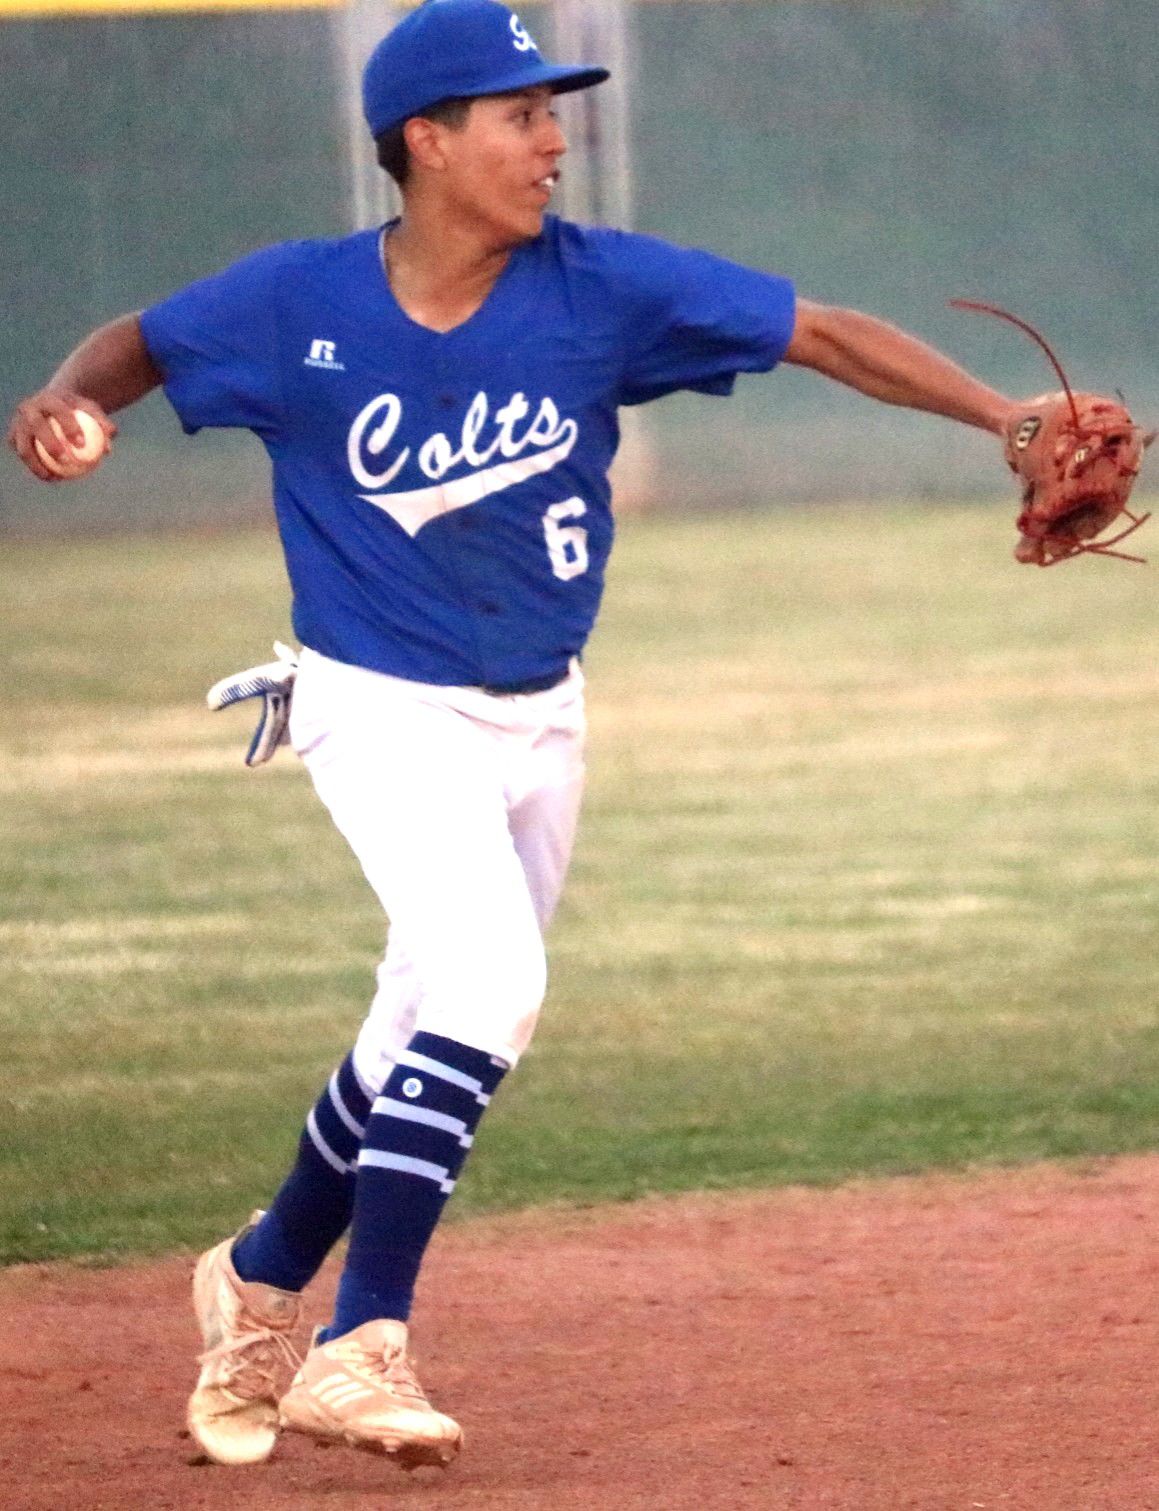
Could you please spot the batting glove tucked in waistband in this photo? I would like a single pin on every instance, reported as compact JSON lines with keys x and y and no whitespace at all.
{"x":274,"y":684}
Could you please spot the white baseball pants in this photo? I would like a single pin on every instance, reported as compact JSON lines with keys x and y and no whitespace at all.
{"x":461,"y":808}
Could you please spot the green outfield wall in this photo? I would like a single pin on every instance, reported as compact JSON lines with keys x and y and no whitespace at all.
{"x":887,"y":156}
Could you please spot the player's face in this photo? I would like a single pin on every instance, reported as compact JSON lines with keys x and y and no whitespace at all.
{"x":502,"y":164}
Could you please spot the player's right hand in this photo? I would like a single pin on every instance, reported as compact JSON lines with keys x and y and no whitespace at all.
{"x":32,"y":421}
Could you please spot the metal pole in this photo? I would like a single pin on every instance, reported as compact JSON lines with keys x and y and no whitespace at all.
{"x":358,"y":27}
{"x":597,"y":181}
{"x":597,"y":177}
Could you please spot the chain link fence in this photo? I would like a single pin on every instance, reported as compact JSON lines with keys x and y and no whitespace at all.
{"x":885,"y":155}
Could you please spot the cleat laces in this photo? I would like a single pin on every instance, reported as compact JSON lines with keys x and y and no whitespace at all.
{"x":391,"y":1371}
{"x":398,"y":1375}
{"x":255,"y":1359}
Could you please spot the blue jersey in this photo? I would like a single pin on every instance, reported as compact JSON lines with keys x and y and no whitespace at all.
{"x":443,"y":499}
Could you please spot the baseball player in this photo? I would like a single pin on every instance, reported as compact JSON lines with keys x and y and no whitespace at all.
{"x":438,"y":398}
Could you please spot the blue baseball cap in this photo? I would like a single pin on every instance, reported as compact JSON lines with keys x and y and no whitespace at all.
{"x":457,"y":49}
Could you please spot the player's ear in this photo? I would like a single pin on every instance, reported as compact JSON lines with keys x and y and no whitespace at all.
{"x":424,"y":142}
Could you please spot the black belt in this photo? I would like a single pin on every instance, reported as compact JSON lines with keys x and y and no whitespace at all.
{"x":532,"y":685}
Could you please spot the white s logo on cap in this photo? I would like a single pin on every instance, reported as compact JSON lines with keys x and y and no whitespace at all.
{"x":523,"y":40}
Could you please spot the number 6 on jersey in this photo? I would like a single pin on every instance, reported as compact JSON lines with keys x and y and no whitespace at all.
{"x":567,"y":545}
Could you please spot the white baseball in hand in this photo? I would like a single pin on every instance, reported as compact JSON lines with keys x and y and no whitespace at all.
{"x":80,"y":459}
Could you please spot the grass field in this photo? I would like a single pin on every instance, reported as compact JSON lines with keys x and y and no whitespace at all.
{"x":866,"y":883}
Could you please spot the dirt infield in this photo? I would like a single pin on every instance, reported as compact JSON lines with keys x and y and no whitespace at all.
{"x":956,"y":1342}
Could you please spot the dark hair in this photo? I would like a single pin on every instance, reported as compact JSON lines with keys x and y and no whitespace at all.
{"x":393,"y":153}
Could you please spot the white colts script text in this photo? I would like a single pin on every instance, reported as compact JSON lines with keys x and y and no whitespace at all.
{"x":511,"y":453}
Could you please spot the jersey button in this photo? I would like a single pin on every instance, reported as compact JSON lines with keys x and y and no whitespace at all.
{"x":489,"y":606}
{"x":447,"y":400}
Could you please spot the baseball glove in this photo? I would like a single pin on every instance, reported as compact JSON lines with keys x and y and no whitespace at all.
{"x":1076,"y":457}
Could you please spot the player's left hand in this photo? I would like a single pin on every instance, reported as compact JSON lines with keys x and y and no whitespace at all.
{"x":273,"y":682}
{"x":1076,"y":456}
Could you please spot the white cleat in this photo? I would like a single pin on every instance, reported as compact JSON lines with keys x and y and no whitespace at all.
{"x":245,"y":1326}
{"x":360,"y":1389}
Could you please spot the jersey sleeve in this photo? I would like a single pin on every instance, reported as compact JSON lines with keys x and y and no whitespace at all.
{"x":701,"y":320}
{"x":216,"y":344}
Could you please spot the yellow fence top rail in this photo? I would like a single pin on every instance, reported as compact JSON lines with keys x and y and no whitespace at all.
{"x":18,"y":10}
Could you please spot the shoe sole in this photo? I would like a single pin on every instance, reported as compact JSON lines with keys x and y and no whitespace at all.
{"x":406,"y":1454}
{"x":243,"y":1449}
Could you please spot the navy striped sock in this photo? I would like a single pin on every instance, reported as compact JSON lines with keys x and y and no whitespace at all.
{"x":311,"y":1211}
{"x":418,"y":1136}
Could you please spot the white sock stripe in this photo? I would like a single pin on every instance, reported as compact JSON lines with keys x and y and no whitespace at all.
{"x":409,"y":1113}
{"x":340,"y":1107}
{"x":437,"y":1068}
{"x":483,"y":1099}
{"x":467,"y":1140}
{"x":447,"y":1187}
{"x":384,"y":1160}
{"x":335,"y":1161}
